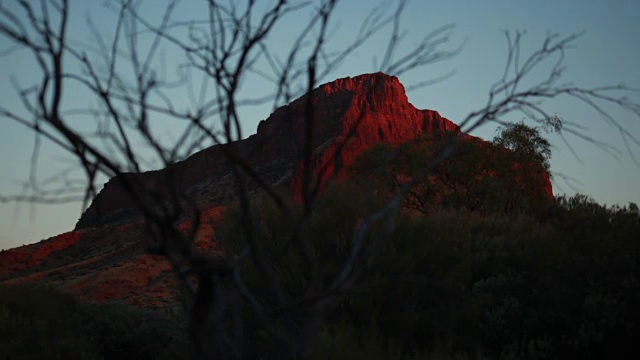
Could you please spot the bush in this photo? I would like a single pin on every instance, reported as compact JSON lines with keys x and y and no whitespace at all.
{"x":464,"y":284}
{"x":41,"y":323}
{"x":453,"y":284}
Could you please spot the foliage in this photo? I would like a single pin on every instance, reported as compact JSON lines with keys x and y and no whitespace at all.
{"x":462,"y":284}
{"x":455,"y":284}
{"x":473,"y":175}
{"x":125,"y":332}
{"x":40,"y":323}
{"x":525,"y":142}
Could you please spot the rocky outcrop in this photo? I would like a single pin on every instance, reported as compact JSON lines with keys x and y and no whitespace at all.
{"x":105,"y":258}
{"x":349,"y":115}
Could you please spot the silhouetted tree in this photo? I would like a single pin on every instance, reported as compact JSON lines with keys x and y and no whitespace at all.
{"x":526,"y":142}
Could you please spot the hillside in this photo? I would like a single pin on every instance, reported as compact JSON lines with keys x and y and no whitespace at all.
{"x":105,"y":257}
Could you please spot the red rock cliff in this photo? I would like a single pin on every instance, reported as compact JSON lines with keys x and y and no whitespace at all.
{"x":350,"y":115}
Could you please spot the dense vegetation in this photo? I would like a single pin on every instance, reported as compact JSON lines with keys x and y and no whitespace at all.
{"x":508,"y":175}
{"x":461,"y":284}
{"x":493,"y":270}
{"x":40,"y":323}
{"x":483,"y":262}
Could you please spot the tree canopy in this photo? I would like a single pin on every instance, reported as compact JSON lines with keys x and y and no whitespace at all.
{"x":510,"y":174}
{"x":525,"y":141}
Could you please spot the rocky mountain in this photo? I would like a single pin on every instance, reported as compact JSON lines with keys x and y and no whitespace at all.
{"x":350,"y":115}
{"x":105,"y":258}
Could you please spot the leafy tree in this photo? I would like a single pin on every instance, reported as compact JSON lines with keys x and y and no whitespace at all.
{"x":526,"y":142}
{"x":476,"y":175}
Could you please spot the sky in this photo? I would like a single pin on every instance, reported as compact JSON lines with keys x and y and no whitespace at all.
{"x":606,"y":54}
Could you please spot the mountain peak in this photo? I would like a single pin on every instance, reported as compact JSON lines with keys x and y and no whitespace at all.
{"x":347,"y":99}
{"x":376,"y":81}
{"x":349,"y":116}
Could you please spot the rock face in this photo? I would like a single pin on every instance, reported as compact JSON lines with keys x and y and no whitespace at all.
{"x":350,"y":115}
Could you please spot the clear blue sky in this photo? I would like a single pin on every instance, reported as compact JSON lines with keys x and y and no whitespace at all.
{"x":608,"y":53}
